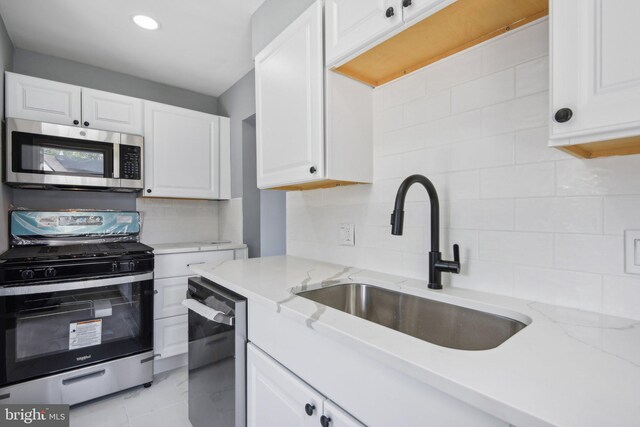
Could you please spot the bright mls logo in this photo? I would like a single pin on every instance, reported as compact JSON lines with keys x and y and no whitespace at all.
{"x":35,"y":415}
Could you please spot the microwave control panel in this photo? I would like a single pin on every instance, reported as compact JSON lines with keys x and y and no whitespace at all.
{"x":130,"y":162}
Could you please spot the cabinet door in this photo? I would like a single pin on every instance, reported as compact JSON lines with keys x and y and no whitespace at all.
{"x":181,"y":152}
{"x":354,"y":24}
{"x":170,"y":294}
{"x":417,"y":9}
{"x":170,"y":336}
{"x":37,"y":99}
{"x":338,"y":417}
{"x":109,"y":111}
{"x":289,"y":104}
{"x":276,"y":397}
{"x":595,"y":69}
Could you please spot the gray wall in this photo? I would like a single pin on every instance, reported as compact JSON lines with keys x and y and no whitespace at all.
{"x":6,"y":62}
{"x":238,"y":103}
{"x":62,"y":70}
{"x":264,"y":212}
{"x":273,"y":17}
{"x":250,"y":193}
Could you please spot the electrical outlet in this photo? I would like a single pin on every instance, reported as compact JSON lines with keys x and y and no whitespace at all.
{"x":347,"y":234}
{"x":632,"y":251}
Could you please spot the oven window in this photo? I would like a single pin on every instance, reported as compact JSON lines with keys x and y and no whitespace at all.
{"x":61,"y":156}
{"x":60,"y":322}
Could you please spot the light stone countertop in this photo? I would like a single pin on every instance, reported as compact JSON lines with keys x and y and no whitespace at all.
{"x":175,"y":248}
{"x":566,"y":368}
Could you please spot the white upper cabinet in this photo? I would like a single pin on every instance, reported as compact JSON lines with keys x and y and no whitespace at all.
{"x":186,"y":153}
{"x":313,"y":127}
{"x":32,"y":98}
{"x":416,"y":9}
{"x":354,"y":23}
{"x":595,"y":76}
{"x":109,"y":111}
{"x":289,"y":104}
{"x":42,"y":100}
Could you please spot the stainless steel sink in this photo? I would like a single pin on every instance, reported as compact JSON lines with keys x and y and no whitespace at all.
{"x":437,"y":322}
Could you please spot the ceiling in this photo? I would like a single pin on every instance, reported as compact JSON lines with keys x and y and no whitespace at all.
{"x":202,"y":45}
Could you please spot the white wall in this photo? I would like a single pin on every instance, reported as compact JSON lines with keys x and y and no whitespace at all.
{"x":531,"y":221}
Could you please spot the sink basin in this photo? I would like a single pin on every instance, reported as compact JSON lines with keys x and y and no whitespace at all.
{"x":437,"y":322}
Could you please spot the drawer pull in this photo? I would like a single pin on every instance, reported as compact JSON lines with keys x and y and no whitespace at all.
{"x":79,"y":378}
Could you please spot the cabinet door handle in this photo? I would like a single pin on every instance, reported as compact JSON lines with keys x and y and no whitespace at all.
{"x":86,"y":123}
{"x":309,"y":409}
{"x":313,"y":169}
{"x":406,"y":3}
{"x":325,"y":421}
{"x":76,"y":122}
{"x":390,"y":12}
{"x":149,"y":190}
{"x":563,"y":115}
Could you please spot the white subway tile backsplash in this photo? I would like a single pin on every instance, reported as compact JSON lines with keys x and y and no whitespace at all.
{"x":534,"y":249}
{"x":621,"y":296}
{"x":492,"y":277}
{"x":534,"y":180}
{"x":429,"y":108}
{"x":521,"y":113}
{"x":388,"y":120}
{"x":522,"y":45}
{"x":567,"y":288}
{"x":562,"y":215}
{"x":604,"y":176}
{"x":595,"y":254}
{"x":487,"y":90}
{"x":532,"y":77}
{"x":532,"y":146}
{"x":486,"y":152}
{"x":531,"y":221}
{"x":453,"y":70}
{"x":479,"y":214}
{"x":621,"y":213}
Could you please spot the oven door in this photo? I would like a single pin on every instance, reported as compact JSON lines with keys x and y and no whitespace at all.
{"x":46,"y":329}
{"x":49,"y":154}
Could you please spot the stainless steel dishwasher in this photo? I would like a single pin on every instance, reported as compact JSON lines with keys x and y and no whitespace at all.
{"x":217,"y":355}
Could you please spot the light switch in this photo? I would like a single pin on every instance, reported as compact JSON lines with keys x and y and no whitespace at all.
{"x":346,"y":234}
{"x":632,"y":251}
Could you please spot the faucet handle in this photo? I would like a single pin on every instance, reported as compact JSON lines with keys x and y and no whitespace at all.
{"x":456,"y":253}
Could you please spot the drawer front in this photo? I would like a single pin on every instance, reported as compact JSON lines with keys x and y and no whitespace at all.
{"x":174,"y":265}
{"x":170,"y":336}
{"x":170,"y":294}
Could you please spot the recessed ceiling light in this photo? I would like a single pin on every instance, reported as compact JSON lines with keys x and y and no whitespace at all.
{"x":146,"y":22}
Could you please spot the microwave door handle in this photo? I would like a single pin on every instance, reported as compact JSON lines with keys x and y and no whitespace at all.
{"x":116,"y":161}
{"x":208,"y":312}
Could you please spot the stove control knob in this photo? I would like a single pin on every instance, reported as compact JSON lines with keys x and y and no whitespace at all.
{"x":27,"y":274}
{"x":50,"y":272}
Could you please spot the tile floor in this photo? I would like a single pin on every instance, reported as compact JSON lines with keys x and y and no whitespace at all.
{"x":164,"y":404}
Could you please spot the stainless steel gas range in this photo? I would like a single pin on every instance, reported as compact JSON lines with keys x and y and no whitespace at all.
{"x":76,"y":307}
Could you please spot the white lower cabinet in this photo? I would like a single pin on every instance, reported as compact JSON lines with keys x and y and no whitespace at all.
{"x":276,"y":397}
{"x":170,"y":336}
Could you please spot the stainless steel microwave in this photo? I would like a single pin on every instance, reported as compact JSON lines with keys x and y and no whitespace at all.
{"x":46,"y":155}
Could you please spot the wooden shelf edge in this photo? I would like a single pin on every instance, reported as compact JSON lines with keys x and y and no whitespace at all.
{"x":448,"y":31}
{"x":326,"y":183}
{"x":615,"y":147}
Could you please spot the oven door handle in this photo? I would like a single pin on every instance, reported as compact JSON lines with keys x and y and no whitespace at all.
{"x":28,"y":289}
{"x":208,"y":312}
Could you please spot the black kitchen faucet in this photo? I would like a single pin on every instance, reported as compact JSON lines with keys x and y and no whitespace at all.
{"x":436,"y":264}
